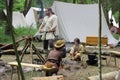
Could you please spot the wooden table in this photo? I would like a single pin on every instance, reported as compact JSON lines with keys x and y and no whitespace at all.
{"x":113,"y":53}
{"x":15,"y":64}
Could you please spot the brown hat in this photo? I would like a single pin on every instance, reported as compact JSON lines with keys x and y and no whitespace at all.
{"x":59,"y":43}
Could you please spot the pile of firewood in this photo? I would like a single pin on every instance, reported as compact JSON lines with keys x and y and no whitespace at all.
{"x":9,"y":48}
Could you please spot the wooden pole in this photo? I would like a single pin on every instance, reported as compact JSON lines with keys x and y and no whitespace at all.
{"x":99,"y":41}
{"x":9,"y":18}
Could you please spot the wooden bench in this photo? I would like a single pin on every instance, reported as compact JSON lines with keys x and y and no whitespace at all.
{"x":105,"y":76}
{"x":26,"y":64}
{"x":15,"y":64}
{"x":58,"y":77}
{"x":113,"y":53}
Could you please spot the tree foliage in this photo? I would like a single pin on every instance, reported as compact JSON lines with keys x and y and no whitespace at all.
{"x":2,"y":4}
{"x":115,"y":5}
{"x":18,"y":5}
{"x":47,"y":3}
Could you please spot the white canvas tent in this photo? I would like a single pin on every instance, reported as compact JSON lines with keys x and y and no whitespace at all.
{"x":80,"y":20}
{"x":30,"y":20}
{"x":18,"y":19}
{"x":32,"y":17}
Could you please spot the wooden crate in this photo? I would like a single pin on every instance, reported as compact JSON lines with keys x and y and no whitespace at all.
{"x":93,"y":40}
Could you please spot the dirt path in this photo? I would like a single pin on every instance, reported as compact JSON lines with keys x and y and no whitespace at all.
{"x":72,"y":70}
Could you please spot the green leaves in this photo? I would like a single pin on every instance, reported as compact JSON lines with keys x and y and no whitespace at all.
{"x":18,"y":5}
{"x":2,"y":4}
{"x":47,"y":3}
{"x":115,"y":5}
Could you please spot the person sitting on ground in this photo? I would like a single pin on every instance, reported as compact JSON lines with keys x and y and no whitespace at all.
{"x":76,"y":50}
{"x":55,"y":57}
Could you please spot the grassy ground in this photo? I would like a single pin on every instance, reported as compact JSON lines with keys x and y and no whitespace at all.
{"x":19,"y":32}
{"x":4,"y":38}
{"x":116,"y":36}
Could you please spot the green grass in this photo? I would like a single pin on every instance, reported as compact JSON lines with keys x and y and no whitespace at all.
{"x":4,"y":38}
{"x":19,"y":32}
{"x":116,"y":36}
{"x":23,"y":31}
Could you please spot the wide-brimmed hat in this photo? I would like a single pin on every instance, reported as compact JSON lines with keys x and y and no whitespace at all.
{"x":59,"y":43}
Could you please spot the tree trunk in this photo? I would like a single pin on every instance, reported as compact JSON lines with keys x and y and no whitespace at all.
{"x":119,"y":18}
{"x":42,"y":9}
{"x":27,"y":6}
{"x":9,"y":7}
{"x":106,"y":11}
{"x":81,"y":1}
{"x":74,"y":1}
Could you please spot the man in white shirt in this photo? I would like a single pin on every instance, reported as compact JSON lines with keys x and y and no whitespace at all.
{"x":48,"y":26}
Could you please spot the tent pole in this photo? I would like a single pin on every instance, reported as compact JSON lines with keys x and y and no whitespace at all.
{"x":99,"y":41}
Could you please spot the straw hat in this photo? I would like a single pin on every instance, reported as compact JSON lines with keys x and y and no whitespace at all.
{"x":48,"y":65}
{"x":59,"y":43}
